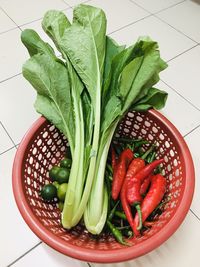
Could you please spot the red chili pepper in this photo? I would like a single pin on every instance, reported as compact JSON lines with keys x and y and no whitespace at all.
{"x":145,"y":185}
{"x":135,"y":166}
{"x":125,"y":205}
{"x":152,"y":199}
{"x":133,"y":187}
{"x":134,"y":182}
{"x":120,"y":171}
{"x":113,"y":158}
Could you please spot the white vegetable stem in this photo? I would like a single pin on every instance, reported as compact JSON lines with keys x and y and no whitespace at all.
{"x":71,"y":195}
{"x":93,"y":158}
{"x":95,"y":211}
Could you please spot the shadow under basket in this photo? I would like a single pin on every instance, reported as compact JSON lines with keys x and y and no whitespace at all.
{"x":44,"y":146}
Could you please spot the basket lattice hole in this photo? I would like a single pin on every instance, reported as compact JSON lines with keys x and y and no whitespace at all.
{"x":28,"y":180}
{"x":39,"y":142}
{"x":130,"y":114}
{"x":29,"y":192}
{"x":34,"y":151}
{"x":53,"y":148}
{"x":144,"y":131}
{"x":139,"y":118}
{"x":48,"y":155}
{"x":161,"y":136}
{"x":49,"y":142}
{"x":45,"y":134}
{"x":167,"y":144}
{"x":177,"y":172}
{"x":166,"y":159}
{"x":154,"y":129}
{"x":175,"y":162}
{"x":147,"y":123}
{"x":150,"y":136}
{"x":177,"y":184}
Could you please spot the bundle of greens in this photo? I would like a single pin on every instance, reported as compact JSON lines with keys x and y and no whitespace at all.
{"x":86,"y":94}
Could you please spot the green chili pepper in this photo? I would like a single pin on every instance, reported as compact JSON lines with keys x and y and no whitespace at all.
{"x":140,"y":143}
{"x":112,"y":213}
{"x":120,"y":215}
{"x":153,"y":156}
{"x":117,"y":234}
{"x":128,"y":140}
{"x":109,"y":168}
{"x":124,"y":227}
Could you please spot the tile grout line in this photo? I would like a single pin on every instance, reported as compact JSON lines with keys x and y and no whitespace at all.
{"x":169,"y":7}
{"x":191,"y":131}
{"x":11,"y":77}
{"x":153,"y":13}
{"x":65,"y":3}
{"x":182,"y":52}
{"x":198,"y":218}
{"x":180,"y":94}
{"x":125,"y":26}
{"x":10,"y":17}
{"x":2,"y":153}
{"x":9,"y":30}
{"x":27,"y":23}
{"x":8,"y":134}
{"x":86,"y":1}
{"x":19,"y":258}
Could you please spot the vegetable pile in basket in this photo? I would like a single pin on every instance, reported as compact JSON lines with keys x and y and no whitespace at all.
{"x":139,"y":185}
{"x":85,"y":93}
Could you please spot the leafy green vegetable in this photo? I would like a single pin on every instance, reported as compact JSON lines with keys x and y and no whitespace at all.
{"x":155,"y":98}
{"x":86,"y":94}
{"x":42,"y":72}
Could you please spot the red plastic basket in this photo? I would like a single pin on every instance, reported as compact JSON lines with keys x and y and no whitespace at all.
{"x":44,"y":146}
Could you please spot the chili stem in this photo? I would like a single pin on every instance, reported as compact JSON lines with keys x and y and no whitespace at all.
{"x":139,"y":215}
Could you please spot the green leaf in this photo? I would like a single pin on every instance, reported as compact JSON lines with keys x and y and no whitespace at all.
{"x":84,"y":43}
{"x":148,"y":67}
{"x":154,"y":99}
{"x":112,"y":49}
{"x":54,"y":24}
{"x":54,"y":96}
{"x":35,"y":44}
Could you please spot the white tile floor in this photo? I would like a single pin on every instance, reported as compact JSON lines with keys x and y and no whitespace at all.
{"x":175,"y":25}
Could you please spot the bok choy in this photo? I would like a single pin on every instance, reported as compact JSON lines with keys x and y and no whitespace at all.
{"x":86,"y":94}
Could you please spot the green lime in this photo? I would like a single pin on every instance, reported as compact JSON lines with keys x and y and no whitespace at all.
{"x":56,"y":184}
{"x":49,"y":192}
{"x":62,"y":189}
{"x":62,"y":175}
{"x":53,"y":172}
{"x":66,"y":163}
